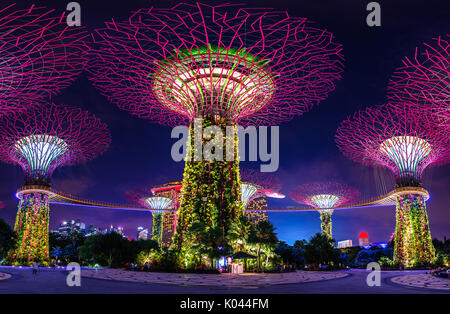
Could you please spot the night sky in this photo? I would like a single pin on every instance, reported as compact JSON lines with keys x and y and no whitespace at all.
{"x":140,"y":151}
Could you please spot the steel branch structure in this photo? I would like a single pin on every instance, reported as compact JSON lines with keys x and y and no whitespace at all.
{"x":424,"y":79}
{"x":325,"y":196}
{"x":223,"y":65}
{"x":41,"y":140}
{"x":249,"y":65}
{"x":39,"y":55}
{"x":406,"y":138}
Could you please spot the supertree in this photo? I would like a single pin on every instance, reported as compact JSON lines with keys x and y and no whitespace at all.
{"x":424,"y":80}
{"x":41,"y":140}
{"x":212,"y":67}
{"x":405,"y":139}
{"x":145,"y":198}
{"x":325,"y":196}
{"x":171,"y":190}
{"x":256,"y":187}
{"x":39,"y":55}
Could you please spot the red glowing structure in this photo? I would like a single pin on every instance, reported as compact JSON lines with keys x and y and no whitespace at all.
{"x":224,"y":64}
{"x":406,"y":138}
{"x":363,"y":239}
{"x":39,"y":55}
{"x":325,"y":197}
{"x":41,"y":140}
{"x":424,"y":79}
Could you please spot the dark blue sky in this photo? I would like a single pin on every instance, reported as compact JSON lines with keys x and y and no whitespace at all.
{"x":140,"y":150}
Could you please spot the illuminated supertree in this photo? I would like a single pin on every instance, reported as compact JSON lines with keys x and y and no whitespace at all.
{"x":424,"y":80}
{"x":41,"y":140}
{"x":325,"y":196}
{"x":405,"y":139}
{"x":145,"y":198}
{"x":255,"y":188}
{"x":39,"y":55}
{"x":203,"y":65}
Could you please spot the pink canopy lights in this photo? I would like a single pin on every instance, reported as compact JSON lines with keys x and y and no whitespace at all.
{"x":247,"y":65}
{"x":39,"y":55}
{"x":424,"y":79}
{"x":401,"y":137}
{"x":46,"y":137}
{"x":324,"y":195}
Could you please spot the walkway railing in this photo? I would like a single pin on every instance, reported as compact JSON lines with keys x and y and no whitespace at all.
{"x":58,"y":197}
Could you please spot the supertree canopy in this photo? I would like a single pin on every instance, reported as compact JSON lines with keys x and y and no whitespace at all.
{"x":144,"y":197}
{"x":223,"y":65}
{"x":406,"y":138}
{"x":325,"y":196}
{"x":41,"y":140}
{"x":39,"y":55}
{"x":424,"y":79}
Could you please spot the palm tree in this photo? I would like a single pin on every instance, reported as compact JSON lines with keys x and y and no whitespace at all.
{"x":239,"y":232}
{"x":262,"y":234}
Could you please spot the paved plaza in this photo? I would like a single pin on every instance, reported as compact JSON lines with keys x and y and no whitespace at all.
{"x":22,"y":280}
{"x":222,"y":280}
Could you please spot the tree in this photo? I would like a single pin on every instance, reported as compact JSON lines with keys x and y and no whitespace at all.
{"x":109,"y":249}
{"x":320,"y":250}
{"x":209,"y":241}
{"x":261,"y":234}
{"x":239,"y":232}
{"x":7,"y":238}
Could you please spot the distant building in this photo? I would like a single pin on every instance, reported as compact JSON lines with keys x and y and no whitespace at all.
{"x":68,"y":227}
{"x":142,"y":234}
{"x":169,"y":225}
{"x":363,"y":239}
{"x":118,"y":230}
{"x":257,"y":216}
{"x":344,"y":244}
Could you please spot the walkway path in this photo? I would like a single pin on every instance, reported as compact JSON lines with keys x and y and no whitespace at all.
{"x":54,"y":281}
{"x":222,"y":280}
{"x":423,"y":281}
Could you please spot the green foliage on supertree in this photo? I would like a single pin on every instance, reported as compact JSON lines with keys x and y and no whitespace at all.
{"x":157,"y":219}
{"x":413,"y":244}
{"x":211,"y":189}
{"x":326,"y":224}
{"x":31,"y":226}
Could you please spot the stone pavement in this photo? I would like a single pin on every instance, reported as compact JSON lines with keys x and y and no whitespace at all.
{"x":4,"y":276}
{"x":423,"y":281}
{"x":247,"y":280}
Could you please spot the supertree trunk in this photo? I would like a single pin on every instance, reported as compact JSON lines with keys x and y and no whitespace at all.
{"x":326,"y":225}
{"x":412,"y":242}
{"x":157,"y":227}
{"x":31,"y":226}
{"x":211,"y":189}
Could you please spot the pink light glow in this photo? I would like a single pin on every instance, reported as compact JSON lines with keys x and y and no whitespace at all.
{"x":82,"y":135}
{"x":39,"y":55}
{"x":402,"y":137}
{"x":424,"y":79}
{"x":253,"y":66}
{"x":307,"y":193}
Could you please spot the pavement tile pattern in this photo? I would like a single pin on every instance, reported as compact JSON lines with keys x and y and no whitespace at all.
{"x":246,"y":280}
{"x":423,"y":281}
